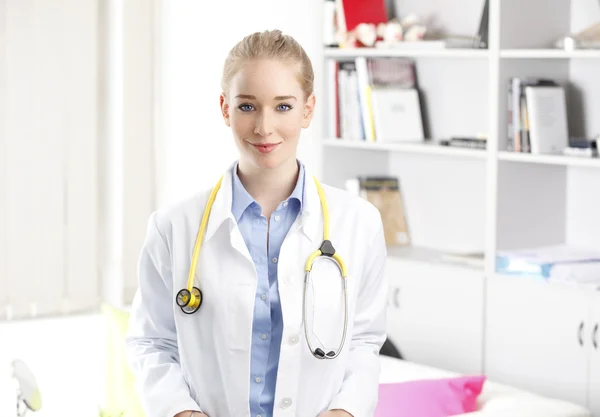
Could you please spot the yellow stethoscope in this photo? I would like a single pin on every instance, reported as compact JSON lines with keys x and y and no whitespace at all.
{"x":189,"y":299}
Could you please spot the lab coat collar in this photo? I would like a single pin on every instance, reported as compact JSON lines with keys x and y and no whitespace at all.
{"x":308,"y":218}
{"x":221,"y":209}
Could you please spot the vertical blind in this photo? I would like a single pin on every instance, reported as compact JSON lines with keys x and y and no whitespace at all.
{"x":48,"y":148}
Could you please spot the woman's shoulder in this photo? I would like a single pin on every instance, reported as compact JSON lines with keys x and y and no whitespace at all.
{"x":180,"y":211}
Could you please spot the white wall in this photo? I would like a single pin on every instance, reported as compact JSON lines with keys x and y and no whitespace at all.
{"x":127,"y":154}
{"x":460,"y":17}
{"x":66,"y":356}
{"x":196,"y":38}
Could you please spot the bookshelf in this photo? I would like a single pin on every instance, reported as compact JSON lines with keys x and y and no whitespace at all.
{"x":462,"y":200}
{"x":464,"y":94}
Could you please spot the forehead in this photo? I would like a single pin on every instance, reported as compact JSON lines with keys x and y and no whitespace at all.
{"x":267,"y":78}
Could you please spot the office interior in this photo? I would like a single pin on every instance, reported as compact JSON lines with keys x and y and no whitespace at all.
{"x":109,"y":110}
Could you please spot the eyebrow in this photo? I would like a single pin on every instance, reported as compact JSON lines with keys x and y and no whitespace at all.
{"x":250,"y":97}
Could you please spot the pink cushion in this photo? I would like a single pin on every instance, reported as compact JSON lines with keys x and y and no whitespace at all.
{"x":429,"y":398}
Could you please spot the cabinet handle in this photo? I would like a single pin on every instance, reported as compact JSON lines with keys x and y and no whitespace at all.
{"x":397,"y":297}
{"x":580,"y":334}
{"x":595,"y":336}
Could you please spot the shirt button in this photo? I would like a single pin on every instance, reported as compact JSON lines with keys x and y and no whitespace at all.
{"x":277,"y":218}
{"x":293,"y":339}
{"x":257,"y":379}
{"x":263,"y":297}
{"x":263,"y":336}
{"x":274,"y":260}
{"x":286,"y":402}
{"x":285,"y":204}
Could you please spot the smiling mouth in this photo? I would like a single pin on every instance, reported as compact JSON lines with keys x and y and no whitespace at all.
{"x":265,"y":147}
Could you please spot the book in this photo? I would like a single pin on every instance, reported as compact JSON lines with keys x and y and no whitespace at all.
{"x":384,"y":193}
{"x":546,"y":119}
{"x":397,"y":115}
{"x":518,"y":117}
{"x":354,"y":12}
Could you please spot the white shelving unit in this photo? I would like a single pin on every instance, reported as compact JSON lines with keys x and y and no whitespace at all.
{"x":467,"y":200}
{"x":465,"y":93}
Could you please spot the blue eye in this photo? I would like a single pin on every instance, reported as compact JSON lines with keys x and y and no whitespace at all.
{"x":284,"y":107}
{"x":246,"y":107}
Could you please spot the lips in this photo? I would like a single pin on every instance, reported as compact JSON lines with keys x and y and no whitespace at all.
{"x":265,"y":147}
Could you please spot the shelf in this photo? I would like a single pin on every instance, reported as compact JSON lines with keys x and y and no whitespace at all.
{"x":592,"y":287}
{"x":529,"y":158}
{"x":548,"y":54}
{"x":405,"y":52}
{"x":421,"y":148}
{"x":430,"y":256}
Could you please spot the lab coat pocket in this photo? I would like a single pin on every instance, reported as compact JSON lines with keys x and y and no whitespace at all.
{"x":325,"y":305}
{"x":240,"y":303}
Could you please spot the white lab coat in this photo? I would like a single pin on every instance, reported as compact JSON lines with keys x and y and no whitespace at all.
{"x":202,"y":361}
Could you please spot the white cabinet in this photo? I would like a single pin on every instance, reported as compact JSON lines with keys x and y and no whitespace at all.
{"x":594,"y":349}
{"x":537,"y":336}
{"x":435,"y":314}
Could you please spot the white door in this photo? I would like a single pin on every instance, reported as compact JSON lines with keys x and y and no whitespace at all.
{"x":436,"y":314}
{"x":594,"y":346}
{"x":535,"y":336}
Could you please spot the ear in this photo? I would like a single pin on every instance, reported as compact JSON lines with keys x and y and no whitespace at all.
{"x":224,"y":108}
{"x":309,"y":109}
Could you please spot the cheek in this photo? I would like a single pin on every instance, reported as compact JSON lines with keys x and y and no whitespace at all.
{"x":291,"y":126}
{"x":241,"y":125}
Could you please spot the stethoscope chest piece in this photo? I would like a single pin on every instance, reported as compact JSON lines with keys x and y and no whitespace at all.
{"x":189,"y":302}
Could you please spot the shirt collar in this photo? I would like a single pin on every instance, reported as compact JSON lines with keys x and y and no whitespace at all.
{"x":242,"y":199}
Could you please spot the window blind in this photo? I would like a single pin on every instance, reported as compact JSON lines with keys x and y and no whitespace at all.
{"x":48,"y":235}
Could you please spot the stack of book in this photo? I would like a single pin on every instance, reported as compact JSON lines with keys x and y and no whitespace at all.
{"x":537,"y":116}
{"x":375,"y":99}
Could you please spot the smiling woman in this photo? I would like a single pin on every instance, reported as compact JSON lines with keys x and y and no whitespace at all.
{"x":255,"y":277}
{"x":267,"y":100}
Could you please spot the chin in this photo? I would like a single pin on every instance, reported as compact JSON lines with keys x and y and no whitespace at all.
{"x":268,"y":162}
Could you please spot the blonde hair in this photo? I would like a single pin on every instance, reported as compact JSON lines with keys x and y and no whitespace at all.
{"x":269,"y":44}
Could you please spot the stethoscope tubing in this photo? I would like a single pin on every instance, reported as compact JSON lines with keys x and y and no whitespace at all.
{"x":189,"y":299}
{"x":304,"y":312}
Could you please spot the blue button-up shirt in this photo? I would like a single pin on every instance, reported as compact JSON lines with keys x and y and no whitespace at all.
{"x":264,"y":242}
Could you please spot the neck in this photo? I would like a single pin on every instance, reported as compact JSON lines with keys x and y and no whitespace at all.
{"x":269,"y":187}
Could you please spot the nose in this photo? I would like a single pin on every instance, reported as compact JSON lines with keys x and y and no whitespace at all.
{"x":264,"y":124}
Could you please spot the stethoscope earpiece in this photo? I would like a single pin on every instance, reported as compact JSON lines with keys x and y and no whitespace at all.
{"x":321,"y":354}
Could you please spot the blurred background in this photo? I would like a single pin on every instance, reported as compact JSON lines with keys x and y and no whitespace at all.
{"x":472,"y":125}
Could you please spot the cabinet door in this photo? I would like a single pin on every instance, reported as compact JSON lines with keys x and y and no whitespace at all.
{"x":594,"y":369}
{"x":535,"y":336}
{"x":435,"y":314}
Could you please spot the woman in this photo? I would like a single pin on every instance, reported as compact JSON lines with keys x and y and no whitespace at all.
{"x":245,"y":351}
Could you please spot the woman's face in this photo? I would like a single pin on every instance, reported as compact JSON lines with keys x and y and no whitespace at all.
{"x":266,"y":111}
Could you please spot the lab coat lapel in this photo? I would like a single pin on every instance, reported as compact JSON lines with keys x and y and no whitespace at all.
{"x":221,"y":213}
{"x":304,"y":238}
{"x":310,"y":220}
